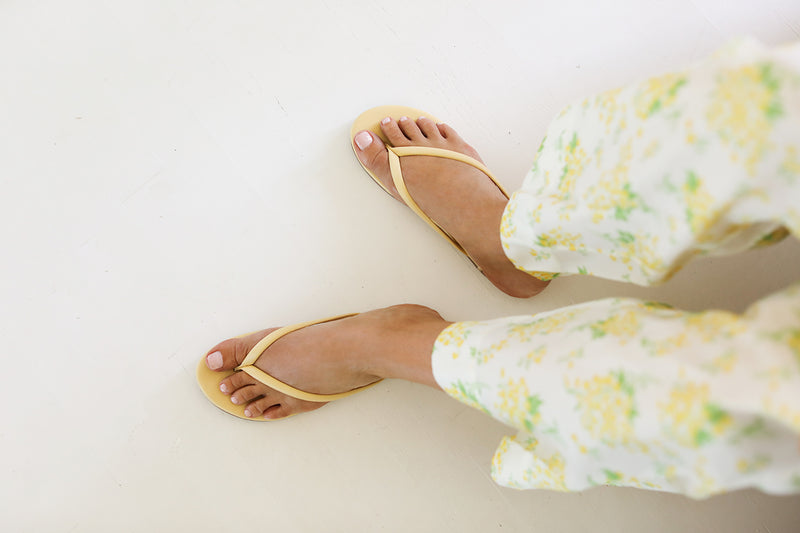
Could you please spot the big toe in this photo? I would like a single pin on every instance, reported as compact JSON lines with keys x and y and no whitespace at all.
{"x":230,"y":353}
{"x":372,"y":154}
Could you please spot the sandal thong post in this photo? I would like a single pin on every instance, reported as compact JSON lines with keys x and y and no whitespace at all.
{"x":371,"y":119}
{"x":209,"y":380}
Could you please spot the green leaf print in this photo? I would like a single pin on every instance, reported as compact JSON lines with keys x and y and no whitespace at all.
{"x":468,"y":393}
{"x":768,"y":77}
{"x":755,"y":428}
{"x":626,"y":237}
{"x":534,"y":402}
{"x":624,"y":385}
{"x":774,"y":110}
{"x":716,"y":414}
{"x":702,"y":437}
{"x":612,"y":478}
{"x":692,"y":181}
{"x":574,"y":142}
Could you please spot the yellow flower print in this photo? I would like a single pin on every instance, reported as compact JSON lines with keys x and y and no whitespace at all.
{"x":575,"y":160}
{"x":742,"y":109}
{"x":699,"y":204}
{"x":657,"y":93}
{"x":607,"y":107}
{"x":666,"y":346}
{"x":543,"y":276}
{"x":623,"y":325}
{"x":549,"y":473}
{"x":467,"y":393}
{"x":724,"y":363}
{"x":484,"y":356}
{"x":749,"y":466}
{"x":712,"y":325}
{"x":534,"y":357}
{"x":558,"y":238}
{"x":790,"y":166}
{"x":507,"y":227}
{"x":517,"y":406}
{"x":638,"y":248}
{"x":612,"y":195}
{"x":525,"y":331}
{"x":789,"y":415}
{"x":453,"y":337}
{"x":619,"y":479}
{"x":690,"y":418}
{"x":707,"y":484}
{"x":606,"y":405}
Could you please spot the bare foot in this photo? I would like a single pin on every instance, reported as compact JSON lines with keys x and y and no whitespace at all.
{"x":332,"y":357}
{"x":461,"y":199}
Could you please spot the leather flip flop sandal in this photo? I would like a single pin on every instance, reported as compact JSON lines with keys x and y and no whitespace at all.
{"x":371,"y":120}
{"x":209,"y":380}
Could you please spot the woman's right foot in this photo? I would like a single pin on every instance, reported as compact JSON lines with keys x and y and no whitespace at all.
{"x":471,"y":214}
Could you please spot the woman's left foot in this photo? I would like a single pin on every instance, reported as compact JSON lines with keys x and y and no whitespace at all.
{"x":331,"y":357}
{"x":459,"y":198}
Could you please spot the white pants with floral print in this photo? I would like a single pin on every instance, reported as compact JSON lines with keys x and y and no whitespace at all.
{"x":629,"y":185}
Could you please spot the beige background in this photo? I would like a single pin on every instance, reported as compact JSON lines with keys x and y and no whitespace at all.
{"x":175,"y":172}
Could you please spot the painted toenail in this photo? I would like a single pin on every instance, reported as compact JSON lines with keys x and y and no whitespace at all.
{"x":214,"y":360}
{"x":363,"y":139}
{"x":234,"y":400}
{"x":386,"y":120}
{"x":223,"y":387}
{"x":247,"y":412}
{"x":421,"y":118}
{"x":403,"y":118}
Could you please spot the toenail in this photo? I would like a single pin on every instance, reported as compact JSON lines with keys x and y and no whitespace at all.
{"x":234,"y":400}
{"x":386,"y":120}
{"x":363,"y":139}
{"x":214,"y":360}
{"x":403,"y":118}
{"x":247,"y":412}
{"x":421,"y":118}
{"x":223,"y":387}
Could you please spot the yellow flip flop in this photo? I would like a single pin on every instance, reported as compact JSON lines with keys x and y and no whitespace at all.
{"x":209,"y":380}
{"x":371,"y":120}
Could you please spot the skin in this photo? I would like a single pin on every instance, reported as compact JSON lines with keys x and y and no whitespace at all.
{"x":394,"y":342}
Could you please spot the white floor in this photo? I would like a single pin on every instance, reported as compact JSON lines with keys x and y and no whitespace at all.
{"x":175,"y":172}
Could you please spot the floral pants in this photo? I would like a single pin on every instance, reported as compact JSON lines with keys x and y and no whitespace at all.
{"x":629,"y":185}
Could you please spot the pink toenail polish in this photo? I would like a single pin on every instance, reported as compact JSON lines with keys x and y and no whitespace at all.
{"x":386,"y":120}
{"x":234,"y":400}
{"x":363,"y":139}
{"x":247,"y":412}
{"x":214,"y":360}
{"x":223,"y":387}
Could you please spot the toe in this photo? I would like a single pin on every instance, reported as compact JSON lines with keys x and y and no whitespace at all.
{"x":428,"y":128}
{"x":411,"y":130}
{"x":448,"y":133}
{"x":373,"y":155}
{"x":230,"y":353}
{"x":277,"y":411}
{"x":235,"y":382}
{"x":247,"y":394}
{"x":226,"y":355}
{"x":257,"y":408}
{"x":391,"y":128}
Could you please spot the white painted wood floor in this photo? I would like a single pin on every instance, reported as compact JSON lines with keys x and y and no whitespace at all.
{"x":176,"y":172}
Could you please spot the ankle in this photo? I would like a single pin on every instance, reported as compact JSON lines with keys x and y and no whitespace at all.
{"x":405,"y":338}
